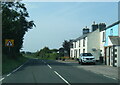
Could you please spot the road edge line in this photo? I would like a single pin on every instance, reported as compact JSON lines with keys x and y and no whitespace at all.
{"x":2,"y":79}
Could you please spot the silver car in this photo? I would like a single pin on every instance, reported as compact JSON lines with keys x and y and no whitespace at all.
{"x":86,"y":58}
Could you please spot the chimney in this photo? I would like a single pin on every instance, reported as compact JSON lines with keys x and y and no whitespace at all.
{"x":102,"y":26}
{"x":85,"y":30}
{"x":94,"y":26}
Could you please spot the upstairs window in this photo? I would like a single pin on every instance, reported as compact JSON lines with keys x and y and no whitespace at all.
{"x":79,"y":43}
{"x":111,"y":32}
{"x":103,"y":39}
{"x":84,"y":42}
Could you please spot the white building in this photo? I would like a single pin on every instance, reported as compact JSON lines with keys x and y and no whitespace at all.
{"x":90,"y":42}
{"x":79,"y":46}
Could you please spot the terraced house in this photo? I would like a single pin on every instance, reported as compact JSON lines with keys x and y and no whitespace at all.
{"x":112,"y":45}
{"x":90,"y":42}
{"x":103,"y":42}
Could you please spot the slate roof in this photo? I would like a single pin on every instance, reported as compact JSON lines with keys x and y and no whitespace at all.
{"x":115,"y":40}
{"x":81,"y":37}
{"x":112,"y":24}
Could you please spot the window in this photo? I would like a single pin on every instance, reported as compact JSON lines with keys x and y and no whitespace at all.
{"x":71,"y":53}
{"x":103,"y":40}
{"x":79,"y":52}
{"x":87,"y":54}
{"x":75,"y":44}
{"x":111,"y":32}
{"x":83,"y":41}
{"x":79,"y":43}
{"x":83,"y":50}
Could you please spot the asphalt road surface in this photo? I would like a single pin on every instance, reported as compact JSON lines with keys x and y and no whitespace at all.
{"x":37,"y":71}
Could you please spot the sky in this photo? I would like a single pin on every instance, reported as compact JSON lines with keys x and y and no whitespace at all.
{"x":59,"y":21}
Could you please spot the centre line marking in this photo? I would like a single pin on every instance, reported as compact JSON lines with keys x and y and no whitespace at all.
{"x":49,"y":66}
{"x":62,"y":78}
{"x":2,"y":79}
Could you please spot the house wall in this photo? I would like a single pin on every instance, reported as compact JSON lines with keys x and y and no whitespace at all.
{"x":111,"y":53}
{"x":71,"y":52}
{"x":119,"y":29}
{"x":78,"y":49}
{"x":112,"y":31}
{"x":102,"y":42}
{"x":94,"y":43}
{"x":118,"y":57}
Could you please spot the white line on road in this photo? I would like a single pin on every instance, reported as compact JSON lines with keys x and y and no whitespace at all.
{"x":2,"y":79}
{"x":9,"y":74}
{"x":62,"y":78}
{"x":49,"y":66}
{"x":110,"y":77}
{"x":17,"y":68}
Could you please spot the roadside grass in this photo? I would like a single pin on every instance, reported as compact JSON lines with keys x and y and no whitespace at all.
{"x":32,"y":55}
{"x":9,"y":64}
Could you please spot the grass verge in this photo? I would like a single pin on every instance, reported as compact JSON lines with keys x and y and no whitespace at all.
{"x":9,"y":64}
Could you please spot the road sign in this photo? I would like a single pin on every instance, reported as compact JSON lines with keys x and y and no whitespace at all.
{"x":9,"y":42}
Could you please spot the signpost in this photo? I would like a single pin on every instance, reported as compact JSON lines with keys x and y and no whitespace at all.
{"x":9,"y":43}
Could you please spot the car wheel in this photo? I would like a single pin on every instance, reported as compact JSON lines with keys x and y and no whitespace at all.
{"x":79,"y":62}
{"x":93,"y":63}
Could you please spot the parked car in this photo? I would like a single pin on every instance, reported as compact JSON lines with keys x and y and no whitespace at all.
{"x":86,"y":58}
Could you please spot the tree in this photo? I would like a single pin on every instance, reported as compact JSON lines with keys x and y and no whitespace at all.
{"x":66,"y":47}
{"x":54,"y":50}
{"x":61,"y":52}
{"x":44,"y":52}
{"x":14,"y":25}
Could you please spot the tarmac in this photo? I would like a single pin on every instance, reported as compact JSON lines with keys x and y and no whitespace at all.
{"x":108,"y":71}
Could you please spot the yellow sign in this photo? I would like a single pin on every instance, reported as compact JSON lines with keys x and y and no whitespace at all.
{"x":9,"y":42}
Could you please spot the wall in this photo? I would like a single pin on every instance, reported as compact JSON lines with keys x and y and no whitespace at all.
{"x":119,"y":28}
{"x":108,"y":33}
{"x":118,"y":57}
{"x":102,"y":42}
{"x":78,"y":48}
{"x":94,"y":42}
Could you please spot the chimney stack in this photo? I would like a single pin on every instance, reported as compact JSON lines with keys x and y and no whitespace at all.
{"x":102,"y":26}
{"x":85,"y":30}
{"x":94,"y":26}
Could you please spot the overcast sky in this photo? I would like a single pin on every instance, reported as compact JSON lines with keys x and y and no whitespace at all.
{"x":59,"y":21}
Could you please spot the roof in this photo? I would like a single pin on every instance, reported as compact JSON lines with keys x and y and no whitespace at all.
{"x":112,"y":24}
{"x":81,"y":37}
{"x":115,"y":40}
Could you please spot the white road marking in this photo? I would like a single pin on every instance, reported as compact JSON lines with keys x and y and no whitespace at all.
{"x":109,"y":77}
{"x":17,"y":68}
{"x":49,"y":66}
{"x":2,"y":79}
{"x":9,"y":74}
{"x":62,"y":78}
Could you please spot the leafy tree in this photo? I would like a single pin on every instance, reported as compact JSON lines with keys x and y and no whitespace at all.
{"x":14,"y":25}
{"x":44,"y":52}
{"x":66,"y":47}
{"x":54,"y":50}
{"x":61,"y":52}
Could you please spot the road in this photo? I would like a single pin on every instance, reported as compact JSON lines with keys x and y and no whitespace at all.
{"x":37,"y":71}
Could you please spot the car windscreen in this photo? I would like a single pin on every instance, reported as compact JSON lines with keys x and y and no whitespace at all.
{"x":87,"y":54}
